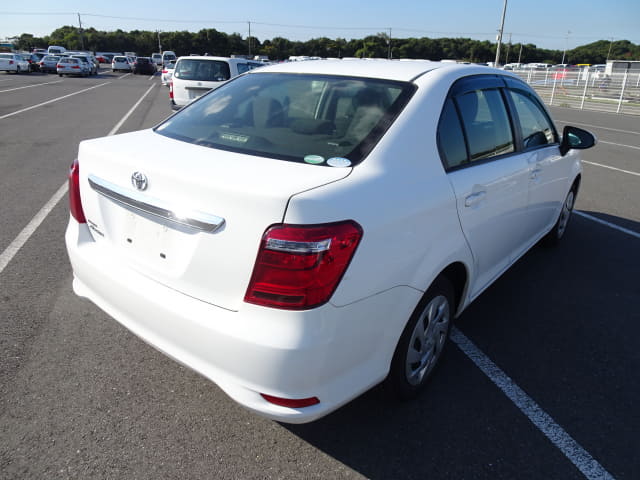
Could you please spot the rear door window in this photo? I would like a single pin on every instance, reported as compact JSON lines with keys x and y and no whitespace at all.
{"x":486,"y":123}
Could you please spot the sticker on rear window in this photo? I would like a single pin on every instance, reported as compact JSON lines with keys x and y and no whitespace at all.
{"x":314,"y":159}
{"x":234,"y":137}
{"x":339,"y":162}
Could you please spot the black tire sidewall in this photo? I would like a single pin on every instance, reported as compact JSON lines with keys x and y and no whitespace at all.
{"x":397,"y":380}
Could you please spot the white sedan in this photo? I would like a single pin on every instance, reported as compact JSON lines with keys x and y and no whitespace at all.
{"x":167,"y":72}
{"x":13,"y":62}
{"x":310,"y":229}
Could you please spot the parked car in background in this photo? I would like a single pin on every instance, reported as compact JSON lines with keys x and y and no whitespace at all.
{"x":32,"y":59}
{"x":13,"y":62}
{"x":49,"y":63}
{"x":120,"y":63}
{"x":157,"y":59}
{"x":168,"y":56}
{"x":167,"y":72}
{"x":194,"y":76}
{"x":144,"y":66}
{"x":55,"y":50}
{"x":72,"y":66}
{"x":246,"y":236}
{"x":90,"y":66}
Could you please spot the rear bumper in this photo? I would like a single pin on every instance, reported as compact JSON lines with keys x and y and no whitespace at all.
{"x":331,"y":353}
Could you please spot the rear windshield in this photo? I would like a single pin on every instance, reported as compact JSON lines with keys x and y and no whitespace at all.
{"x":51,"y":58}
{"x":202,"y":70}
{"x":300,"y":118}
{"x":120,"y":59}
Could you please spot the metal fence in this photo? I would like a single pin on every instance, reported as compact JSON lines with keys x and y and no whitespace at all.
{"x":583,"y":89}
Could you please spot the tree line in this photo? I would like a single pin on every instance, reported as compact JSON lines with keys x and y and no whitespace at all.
{"x":218,"y":43}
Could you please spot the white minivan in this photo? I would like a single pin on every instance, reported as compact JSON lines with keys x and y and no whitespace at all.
{"x":168,"y":56}
{"x":195,"y":75}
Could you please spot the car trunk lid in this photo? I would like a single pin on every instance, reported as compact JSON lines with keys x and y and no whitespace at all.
{"x":196,"y":225}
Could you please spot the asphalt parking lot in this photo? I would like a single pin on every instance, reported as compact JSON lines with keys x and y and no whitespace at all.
{"x":541,"y":381}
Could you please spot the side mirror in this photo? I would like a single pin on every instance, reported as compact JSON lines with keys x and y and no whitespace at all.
{"x":576,"y":138}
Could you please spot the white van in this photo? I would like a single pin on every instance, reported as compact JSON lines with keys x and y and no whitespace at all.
{"x":55,"y":50}
{"x":156,"y":58}
{"x":168,"y":56}
{"x":194,"y":76}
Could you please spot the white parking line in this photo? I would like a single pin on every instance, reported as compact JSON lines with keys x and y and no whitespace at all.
{"x":571,"y":449}
{"x":620,"y":144}
{"x":51,"y":101}
{"x":124,"y":119}
{"x":598,"y":126}
{"x":25,"y":234}
{"x":30,"y":86}
{"x":122,"y":76}
{"x":22,"y":238}
{"x":608,"y":224}
{"x":612,"y":168}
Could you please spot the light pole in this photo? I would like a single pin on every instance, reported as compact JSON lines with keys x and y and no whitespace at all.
{"x":566,"y":45}
{"x":609,"y":52}
{"x":504,"y":12}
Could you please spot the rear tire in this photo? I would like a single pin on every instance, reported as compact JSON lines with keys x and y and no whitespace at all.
{"x":423,"y":341}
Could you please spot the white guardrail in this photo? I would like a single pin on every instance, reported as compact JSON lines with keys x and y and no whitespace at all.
{"x":618,"y":92}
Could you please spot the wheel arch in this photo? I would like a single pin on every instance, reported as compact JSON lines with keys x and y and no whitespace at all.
{"x":458,"y":275}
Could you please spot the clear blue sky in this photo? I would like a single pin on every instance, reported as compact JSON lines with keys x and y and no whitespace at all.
{"x":544,"y":23}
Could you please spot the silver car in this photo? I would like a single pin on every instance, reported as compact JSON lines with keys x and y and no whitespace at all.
{"x":72,"y":66}
{"x":49,"y":63}
{"x":88,"y":64}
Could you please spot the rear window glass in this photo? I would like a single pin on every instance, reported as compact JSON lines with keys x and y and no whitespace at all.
{"x":202,"y":70}
{"x":6,"y":55}
{"x":119,"y":59}
{"x":295,"y":117}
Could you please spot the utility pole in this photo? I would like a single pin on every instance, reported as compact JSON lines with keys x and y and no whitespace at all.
{"x":249,"y":38}
{"x":520,"y":54}
{"x":159,"y":45}
{"x":504,"y":12}
{"x":389,"y":41}
{"x":609,"y":52}
{"x":80,"y":32}
{"x":508,"y":48}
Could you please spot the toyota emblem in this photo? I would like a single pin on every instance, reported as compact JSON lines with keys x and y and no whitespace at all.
{"x":139,"y":180}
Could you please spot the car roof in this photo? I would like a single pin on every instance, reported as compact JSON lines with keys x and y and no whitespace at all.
{"x":383,"y":69}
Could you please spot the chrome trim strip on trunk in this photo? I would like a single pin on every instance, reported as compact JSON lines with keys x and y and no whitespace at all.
{"x":197,"y":220}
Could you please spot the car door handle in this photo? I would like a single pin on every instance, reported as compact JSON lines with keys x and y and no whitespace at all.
{"x":474,"y":198}
{"x":534,"y":173}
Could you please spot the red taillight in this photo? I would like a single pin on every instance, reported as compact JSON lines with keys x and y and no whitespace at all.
{"x":165,"y":71}
{"x":58,"y":65}
{"x":75,"y":66}
{"x":75,"y":204}
{"x":10,"y":62}
{"x":299,"y":266}
{"x":291,"y":402}
{"x":171,"y":89}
